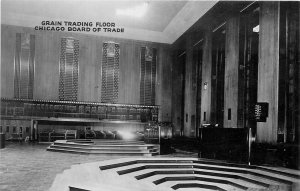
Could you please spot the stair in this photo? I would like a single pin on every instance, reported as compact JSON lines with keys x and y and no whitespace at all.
{"x":182,"y":174}
{"x":105,"y":147}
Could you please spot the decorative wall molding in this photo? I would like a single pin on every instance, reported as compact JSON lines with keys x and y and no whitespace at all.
{"x":68,"y":69}
{"x":148,"y":75}
{"x":110,"y":72}
{"x":24,"y":66}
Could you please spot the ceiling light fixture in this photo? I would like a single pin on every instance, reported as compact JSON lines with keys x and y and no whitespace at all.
{"x":136,"y":11}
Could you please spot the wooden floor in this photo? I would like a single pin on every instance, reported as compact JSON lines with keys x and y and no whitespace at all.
{"x":163,"y":174}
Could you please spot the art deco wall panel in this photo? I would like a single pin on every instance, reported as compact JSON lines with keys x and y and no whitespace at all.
{"x":148,"y":76}
{"x":110,"y":72}
{"x":68,"y":69}
{"x":24,"y":66}
{"x":47,"y":67}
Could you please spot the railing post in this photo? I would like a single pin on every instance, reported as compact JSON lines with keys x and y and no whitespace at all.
{"x":249,"y":144}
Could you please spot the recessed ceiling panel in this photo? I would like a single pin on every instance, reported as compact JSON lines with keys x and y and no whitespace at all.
{"x":157,"y":16}
{"x":162,"y":21}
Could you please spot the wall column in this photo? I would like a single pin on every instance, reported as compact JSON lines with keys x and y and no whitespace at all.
{"x":206,"y":78}
{"x":190,"y":92}
{"x":164,"y":84}
{"x":177,"y":78}
{"x":268,"y":69}
{"x":231,"y":72}
{"x":298,"y":128}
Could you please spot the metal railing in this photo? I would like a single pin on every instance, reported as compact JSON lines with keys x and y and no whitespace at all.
{"x":70,"y":109}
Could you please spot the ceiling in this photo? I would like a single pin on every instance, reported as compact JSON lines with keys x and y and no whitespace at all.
{"x":164,"y":21}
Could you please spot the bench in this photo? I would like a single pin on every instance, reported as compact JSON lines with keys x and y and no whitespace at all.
{"x":71,"y":134}
{"x":45,"y":136}
{"x":58,"y":134}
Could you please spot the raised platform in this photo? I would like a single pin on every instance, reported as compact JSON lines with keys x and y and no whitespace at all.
{"x":105,"y":147}
{"x":163,"y":174}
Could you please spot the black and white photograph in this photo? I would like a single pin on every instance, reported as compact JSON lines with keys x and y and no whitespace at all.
{"x":149,"y":95}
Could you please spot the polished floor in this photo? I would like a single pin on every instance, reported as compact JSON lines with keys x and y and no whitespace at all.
{"x":29,"y":167}
{"x":173,"y":173}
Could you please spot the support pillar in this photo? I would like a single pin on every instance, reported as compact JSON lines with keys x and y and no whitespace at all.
{"x":206,"y":78}
{"x":231,"y":73}
{"x":190,"y":92}
{"x":268,"y":69}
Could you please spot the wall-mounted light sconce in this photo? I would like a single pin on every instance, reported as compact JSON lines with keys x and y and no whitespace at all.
{"x":205,"y":85}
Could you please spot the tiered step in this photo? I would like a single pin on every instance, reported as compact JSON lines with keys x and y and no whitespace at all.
{"x":181,"y":174}
{"x":84,"y":141}
{"x":105,"y":147}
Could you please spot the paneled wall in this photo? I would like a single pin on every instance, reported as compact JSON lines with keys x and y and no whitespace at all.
{"x":268,"y":69}
{"x":46,"y":80}
{"x":206,"y":78}
{"x":190,"y":93}
{"x":163,"y":95}
{"x":231,"y":73}
{"x":178,"y":81}
{"x":248,"y":79}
